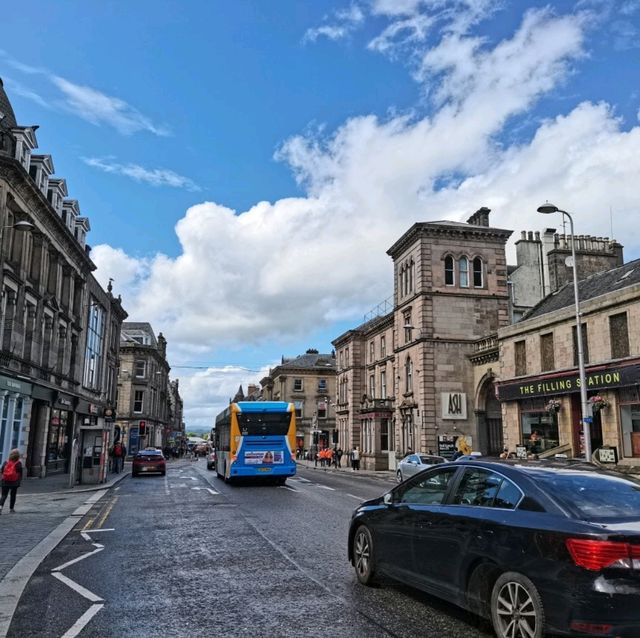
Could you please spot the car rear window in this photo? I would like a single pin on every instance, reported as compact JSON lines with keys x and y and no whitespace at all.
{"x":431,"y":460}
{"x":146,"y":456}
{"x":593,"y":496}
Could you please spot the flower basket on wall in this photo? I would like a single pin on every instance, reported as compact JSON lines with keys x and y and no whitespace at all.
{"x":553,"y":407}
{"x":598,"y":403}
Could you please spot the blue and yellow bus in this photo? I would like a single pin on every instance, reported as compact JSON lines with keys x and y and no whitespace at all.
{"x":256,"y":439}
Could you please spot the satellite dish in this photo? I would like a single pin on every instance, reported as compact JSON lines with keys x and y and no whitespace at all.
{"x":569,"y":261}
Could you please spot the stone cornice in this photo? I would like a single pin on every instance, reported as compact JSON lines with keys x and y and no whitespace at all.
{"x":39,"y":207}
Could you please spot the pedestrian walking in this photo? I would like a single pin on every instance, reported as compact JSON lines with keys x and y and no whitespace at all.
{"x":118,"y":456}
{"x":11,"y":479}
{"x":339,"y":454}
{"x":355,"y":458}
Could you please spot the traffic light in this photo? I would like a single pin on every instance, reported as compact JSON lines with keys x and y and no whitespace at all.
{"x":315,"y":438}
{"x":142,"y":428}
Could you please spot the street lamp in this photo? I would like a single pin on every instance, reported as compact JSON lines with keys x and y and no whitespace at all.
{"x":20,"y":226}
{"x":548,"y":209}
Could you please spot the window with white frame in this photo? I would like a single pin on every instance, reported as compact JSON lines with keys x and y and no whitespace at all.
{"x":322,"y":409}
{"x":383,"y":384}
{"x":138,"y":401}
{"x":372,"y":352}
{"x":463,"y":272}
{"x":140,"y":368}
{"x":299,"y":406}
{"x":407,"y":327}
{"x":372,"y":386}
{"x":322,"y":385}
{"x":298,"y":386}
{"x":383,"y":347}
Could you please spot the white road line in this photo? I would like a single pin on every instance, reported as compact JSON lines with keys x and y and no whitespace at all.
{"x":212,"y":491}
{"x":286,"y":487}
{"x":326,"y":487}
{"x":166,"y":485}
{"x":77,"y":560}
{"x":356,"y":497}
{"x":80,"y":624}
{"x":100,"y":529}
{"x":85,"y":593}
{"x":302,"y":480}
{"x":178,"y":485}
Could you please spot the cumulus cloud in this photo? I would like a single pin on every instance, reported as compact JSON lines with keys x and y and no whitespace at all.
{"x":282,"y":269}
{"x":153,"y":176}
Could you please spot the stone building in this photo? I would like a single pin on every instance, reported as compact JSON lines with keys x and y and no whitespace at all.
{"x":143,"y":382}
{"x":59,"y":328}
{"x":450,"y":291}
{"x":175,"y":433}
{"x":307,"y":381}
{"x":538,"y":368}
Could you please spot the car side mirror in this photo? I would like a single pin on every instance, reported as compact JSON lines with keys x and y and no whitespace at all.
{"x":388,"y":498}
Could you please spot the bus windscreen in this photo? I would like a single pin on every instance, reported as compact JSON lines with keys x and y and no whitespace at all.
{"x":263,"y":424}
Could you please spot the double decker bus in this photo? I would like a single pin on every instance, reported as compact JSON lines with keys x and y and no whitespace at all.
{"x":256,"y":439}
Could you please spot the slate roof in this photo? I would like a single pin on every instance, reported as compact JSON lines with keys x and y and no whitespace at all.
{"x":589,"y":288}
{"x":310,"y":360}
{"x":9,"y":120}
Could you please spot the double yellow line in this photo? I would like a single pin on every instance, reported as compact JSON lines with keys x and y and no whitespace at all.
{"x":100,"y":518}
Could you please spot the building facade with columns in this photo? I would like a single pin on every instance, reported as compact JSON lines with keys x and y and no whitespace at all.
{"x":54,"y":315}
{"x":409,"y":383}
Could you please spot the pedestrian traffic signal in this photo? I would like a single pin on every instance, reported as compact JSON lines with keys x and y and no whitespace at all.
{"x":142,"y":428}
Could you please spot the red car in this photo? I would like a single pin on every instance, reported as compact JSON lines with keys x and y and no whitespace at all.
{"x":211,"y":460}
{"x":148,"y":461}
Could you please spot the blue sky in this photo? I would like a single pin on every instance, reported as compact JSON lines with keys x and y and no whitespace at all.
{"x":234,"y":156}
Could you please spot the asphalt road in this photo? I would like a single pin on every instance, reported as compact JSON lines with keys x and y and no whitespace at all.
{"x":188,"y":555}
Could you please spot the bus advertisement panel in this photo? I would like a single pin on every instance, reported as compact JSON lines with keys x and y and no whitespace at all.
{"x":256,"y":439}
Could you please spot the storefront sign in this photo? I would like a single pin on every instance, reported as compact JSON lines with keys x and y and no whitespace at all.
{"x":454,"y":405}
{"x":564,"y":384}
{"x":15,"y":385}
{"x":607,"y":454}
{"x":64,"y":401}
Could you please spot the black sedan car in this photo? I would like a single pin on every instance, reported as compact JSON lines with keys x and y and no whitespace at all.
{"x":539,"y":547}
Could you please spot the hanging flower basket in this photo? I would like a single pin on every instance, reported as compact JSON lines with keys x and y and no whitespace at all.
{"x":598,"y":403}
{"x":553,"y":407}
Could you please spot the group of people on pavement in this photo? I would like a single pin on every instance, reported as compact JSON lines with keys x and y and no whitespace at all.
{"x":328,"y":457}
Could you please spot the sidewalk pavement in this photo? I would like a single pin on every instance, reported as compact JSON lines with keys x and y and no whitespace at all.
{"x":59,"y":483}
{"x":386,"y":475}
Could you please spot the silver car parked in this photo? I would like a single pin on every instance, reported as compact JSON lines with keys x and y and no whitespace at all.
{"x":414,"y":463}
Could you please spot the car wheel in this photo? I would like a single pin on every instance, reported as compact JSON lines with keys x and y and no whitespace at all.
{"x":399,"y":476}
{"x":163,"y":473}
{"x":363,"y":560}
{"x":516,"y":607}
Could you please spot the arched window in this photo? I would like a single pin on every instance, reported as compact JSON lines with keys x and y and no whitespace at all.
{"x":463,"y":272}
{"x":400,"y":274}
{"x":449,"y":277}
{"x":412,"y":269}
{"x":477,"y":273}
{"x":408,"y":375}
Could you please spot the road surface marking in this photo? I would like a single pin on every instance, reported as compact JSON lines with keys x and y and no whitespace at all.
{"x":212,"y":491}
{"x":85,"y":593}
{"x":81,"y":623}
{"x":326,"y":487}
{"x":166,"y":485}
{"x":103,"y":518}
{"x":302,"y":480}
{"x":286,"y":487}
{"x":356,"y":497}
{"x":77,"y":560}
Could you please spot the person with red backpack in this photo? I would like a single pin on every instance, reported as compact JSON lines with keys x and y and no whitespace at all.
{"x":119,"y":452}
{"x":11,"y":478}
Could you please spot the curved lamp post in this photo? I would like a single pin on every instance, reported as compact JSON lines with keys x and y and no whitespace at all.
{"x":548,"y":209}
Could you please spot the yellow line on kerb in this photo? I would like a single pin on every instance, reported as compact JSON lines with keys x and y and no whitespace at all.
{"x":103,"y":518}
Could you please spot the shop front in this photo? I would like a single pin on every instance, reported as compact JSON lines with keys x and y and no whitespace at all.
{"x":544,"y":412}
{"x":15,"y":413}
{"x":60,"y":434}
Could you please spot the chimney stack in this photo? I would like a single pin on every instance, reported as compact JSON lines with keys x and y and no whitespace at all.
{"x":480,"y":217}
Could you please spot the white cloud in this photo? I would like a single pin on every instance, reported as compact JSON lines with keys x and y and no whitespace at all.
{"x":98,"y":108}
{"x":153,"y":176}
{"x":346,"y":21}
{"x":283,"y":269}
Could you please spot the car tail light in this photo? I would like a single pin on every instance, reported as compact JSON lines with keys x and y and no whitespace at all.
{"x":597,"y":554}
{"x":591,"y":628}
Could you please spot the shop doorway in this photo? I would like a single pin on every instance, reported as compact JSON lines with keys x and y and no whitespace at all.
{"x":490,"y":423}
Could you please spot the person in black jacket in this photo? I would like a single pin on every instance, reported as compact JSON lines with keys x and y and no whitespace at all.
{"x":11,"y":478}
